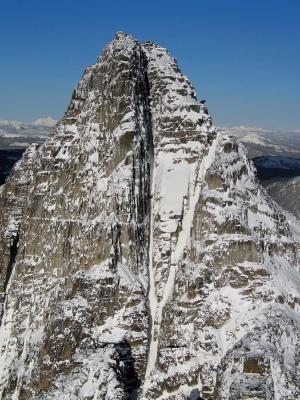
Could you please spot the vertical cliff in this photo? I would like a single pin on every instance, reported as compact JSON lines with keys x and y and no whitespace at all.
{"x":139,"y":256}
{"x":75,"y":224}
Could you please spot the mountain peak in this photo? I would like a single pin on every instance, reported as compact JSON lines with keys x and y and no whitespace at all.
{"x":48,"y":121}
{"x":139,"y":257}
{"x":123,"y":40}
{"x":120,"y":35}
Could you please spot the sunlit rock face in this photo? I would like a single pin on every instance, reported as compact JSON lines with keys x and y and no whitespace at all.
{"x":139,"y":256}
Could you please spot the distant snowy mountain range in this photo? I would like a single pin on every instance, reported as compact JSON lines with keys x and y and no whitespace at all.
{"x":18,"y":135}
{"x":275,"y":153}
{"x":260,"y":142}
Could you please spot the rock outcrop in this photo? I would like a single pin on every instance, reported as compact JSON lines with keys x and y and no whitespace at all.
{"x":139,"y":256}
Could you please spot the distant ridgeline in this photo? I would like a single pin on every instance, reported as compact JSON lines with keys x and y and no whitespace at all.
{"x":269,"y":166}
{"x":15,"y":137}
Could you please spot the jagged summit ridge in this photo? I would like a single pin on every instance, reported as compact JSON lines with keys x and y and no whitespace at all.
{"x":139,"y":257}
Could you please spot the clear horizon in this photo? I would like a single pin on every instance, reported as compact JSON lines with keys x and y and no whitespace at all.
{"x":244,"y":59}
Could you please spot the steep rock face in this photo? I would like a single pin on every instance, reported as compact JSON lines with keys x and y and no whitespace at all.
{"x":223,"y":273}
{"x":78,"y":287}
{"x":139,"y":256}
{"x":286,"y":193}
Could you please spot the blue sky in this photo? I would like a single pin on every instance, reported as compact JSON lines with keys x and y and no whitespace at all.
{"x":242,"y":56}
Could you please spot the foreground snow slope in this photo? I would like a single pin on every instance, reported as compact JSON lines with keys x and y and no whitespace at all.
{"x":139,"y":256}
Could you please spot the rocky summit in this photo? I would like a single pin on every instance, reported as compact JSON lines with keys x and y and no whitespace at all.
{"x":140,"y":258}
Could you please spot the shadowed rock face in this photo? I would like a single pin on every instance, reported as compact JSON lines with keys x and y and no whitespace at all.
{"x":139,"y":257}
{"x":286,"y":193}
